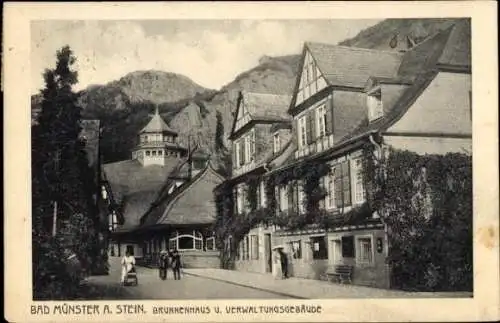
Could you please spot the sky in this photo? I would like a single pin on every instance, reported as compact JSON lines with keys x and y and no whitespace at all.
{"x":210,"y":52}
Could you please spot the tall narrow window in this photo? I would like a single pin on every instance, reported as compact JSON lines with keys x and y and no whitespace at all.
{"x":277,"y":143}
{"x":364,"y":251}
{"x":330,"y":190}
{"x":237,"y":153}
{"x":342,"y":184}
{"x":302,"y":128}
{"x":359,"y":190}
{"x":321,"y":121}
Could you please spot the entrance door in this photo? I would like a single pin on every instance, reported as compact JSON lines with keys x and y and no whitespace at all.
{"x":268,"y":252}
{"x":336,"y":251}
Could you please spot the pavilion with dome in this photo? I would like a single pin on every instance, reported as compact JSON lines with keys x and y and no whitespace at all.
{"x":162,"y":198}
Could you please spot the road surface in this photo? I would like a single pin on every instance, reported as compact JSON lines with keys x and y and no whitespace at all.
{"x":189,"y":287}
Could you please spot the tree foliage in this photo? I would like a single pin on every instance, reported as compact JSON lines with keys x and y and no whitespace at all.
{"x":62,"y":184}
{"x":426,"y":204}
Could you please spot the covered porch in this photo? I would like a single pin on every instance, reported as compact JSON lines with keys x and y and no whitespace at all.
{"x":195,"y":243}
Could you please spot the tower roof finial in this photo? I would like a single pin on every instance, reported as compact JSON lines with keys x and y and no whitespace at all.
{"x":156,"y":110}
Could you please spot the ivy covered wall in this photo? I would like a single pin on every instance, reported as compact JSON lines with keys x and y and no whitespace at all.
{"x":425,"y":202}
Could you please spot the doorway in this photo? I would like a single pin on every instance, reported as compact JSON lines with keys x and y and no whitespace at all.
{"x":268,"y":252}
{"x":336,"y":251}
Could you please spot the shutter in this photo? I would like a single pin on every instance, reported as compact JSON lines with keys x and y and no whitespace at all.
{"x":329,"y":115}
{"x":234,"y":154}
{"x":241,"y":143}
{"x":314,"y":133}
{"x":309,"y":122}
{"x":252,"y":145}
{"x":322,"y":202}
{"x":337,"y":183}
{"x":257,"y":206}
{"x":346,"y":182}
{"x":289,"y":191}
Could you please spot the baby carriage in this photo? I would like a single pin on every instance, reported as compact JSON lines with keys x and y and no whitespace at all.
{"x":131,"y":277}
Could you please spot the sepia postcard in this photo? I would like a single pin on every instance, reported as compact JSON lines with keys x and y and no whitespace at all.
{"x":251,"y":161}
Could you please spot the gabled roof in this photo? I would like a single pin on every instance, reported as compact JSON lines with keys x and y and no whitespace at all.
{"x":263,"y":107}
{"x":134,"y":187}
{"x":191,"y":203}
{"x":157,"y":124}
{"x":418,"y":68}
{"x":457,"y":51}
{"x":423,"y":56}
{"x":350,"y":66}
{"x":267,"y":106}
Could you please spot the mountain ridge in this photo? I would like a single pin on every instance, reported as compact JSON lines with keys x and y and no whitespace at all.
{"x":125,"y":105}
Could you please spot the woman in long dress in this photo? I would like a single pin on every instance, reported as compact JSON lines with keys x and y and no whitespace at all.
{"x":277,"y":273}
{"x":128,"y":262}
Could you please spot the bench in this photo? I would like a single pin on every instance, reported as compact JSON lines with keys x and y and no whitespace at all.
{"x":341,"y":273}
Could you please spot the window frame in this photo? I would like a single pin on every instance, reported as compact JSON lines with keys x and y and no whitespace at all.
{"x":329,"y":186}
{"x":254,"y":249}
{"x":292,"y":250}
{"x":276,"y":142}
{"x":358,"y":181}
{"x":302,"y":129}
{"x":324,"y":255}
{"x":358,"y":250}
{"x":320,"y":121}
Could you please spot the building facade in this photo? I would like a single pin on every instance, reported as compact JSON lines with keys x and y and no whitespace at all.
{"x":347,"y":99}
{"x":261,"y":132}
{"x":162,"y":199}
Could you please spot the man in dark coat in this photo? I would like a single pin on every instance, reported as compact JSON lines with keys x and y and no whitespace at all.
{"x":163,"y":265}
{"x":176,"y":264}
{"x":284,"y":263}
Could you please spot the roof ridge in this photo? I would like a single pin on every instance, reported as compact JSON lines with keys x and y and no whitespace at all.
{"x":263,"y":93}
{"x":360,"y":49}
{"x":434,"y":35}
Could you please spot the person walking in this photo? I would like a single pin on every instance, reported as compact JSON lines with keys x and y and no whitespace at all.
{"x":284,"y":263}
{"x":128,"y":264}
{"x":176,"y":264}
{"x":277,"y":272}
{"x":163,"y":264}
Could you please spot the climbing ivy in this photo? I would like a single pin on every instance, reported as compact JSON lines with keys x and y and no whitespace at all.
{"x":425,"y":203}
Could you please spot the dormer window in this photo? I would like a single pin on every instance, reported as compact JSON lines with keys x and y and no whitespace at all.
{"x":375,"y":107}
{"x":277,"y":143}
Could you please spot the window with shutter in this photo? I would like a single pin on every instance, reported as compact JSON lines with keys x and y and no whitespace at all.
{"x":241,"y":148}
{"x":302,"y":131}
{"x":337,"y":184}
{"x":359,"y":190}
{"x":321,"y":121}
{"x":346,"y":183}
{"x":235,"y":159}
{"x":309,"y":127}
{"x":329,"y":115}
{"x":291,"y":196}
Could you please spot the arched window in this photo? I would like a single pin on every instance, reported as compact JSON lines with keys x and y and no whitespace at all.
{"x":187,"y":241}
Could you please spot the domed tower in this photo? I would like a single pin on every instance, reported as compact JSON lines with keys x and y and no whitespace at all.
{"x":157,"y":143}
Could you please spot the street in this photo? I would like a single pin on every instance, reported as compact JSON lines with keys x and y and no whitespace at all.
{"x":189,"y":287}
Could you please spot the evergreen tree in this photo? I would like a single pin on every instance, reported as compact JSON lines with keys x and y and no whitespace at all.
{"x":64,"y":219}
{"x":219,"y":133}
